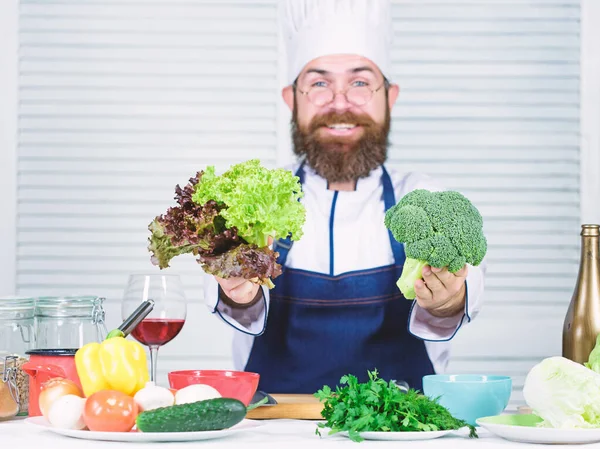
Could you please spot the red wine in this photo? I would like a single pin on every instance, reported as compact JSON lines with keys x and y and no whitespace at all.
{"x":157,"y":331}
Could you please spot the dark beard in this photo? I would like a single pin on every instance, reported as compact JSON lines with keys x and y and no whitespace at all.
{"x":336,"y":158}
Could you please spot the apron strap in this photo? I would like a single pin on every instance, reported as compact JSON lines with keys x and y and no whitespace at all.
{"x":283,"y":246}
{"x":389,"y":200}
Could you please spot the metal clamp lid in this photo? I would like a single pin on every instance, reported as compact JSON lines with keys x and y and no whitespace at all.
{"x":98,"y":313}
{"x":9,"y":377}
{"x":98,"y":317}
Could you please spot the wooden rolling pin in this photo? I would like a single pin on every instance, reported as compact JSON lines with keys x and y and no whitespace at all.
{"x":289,"y":406}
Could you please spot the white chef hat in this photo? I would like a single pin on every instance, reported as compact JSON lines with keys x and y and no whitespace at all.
{"x":314,"y":28}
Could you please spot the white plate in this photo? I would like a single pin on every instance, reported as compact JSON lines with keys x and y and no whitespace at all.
{"x":523,"y":429}
{"x":246,"y":424}
{"x":400,"y":436}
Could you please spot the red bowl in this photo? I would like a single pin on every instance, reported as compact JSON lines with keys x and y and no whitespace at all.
{"x":239,"y":385}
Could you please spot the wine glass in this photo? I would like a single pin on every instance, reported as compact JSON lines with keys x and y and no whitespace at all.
{"x":167,"y":317}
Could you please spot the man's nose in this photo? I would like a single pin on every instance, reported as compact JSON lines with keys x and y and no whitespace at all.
{"x":340,"y":102}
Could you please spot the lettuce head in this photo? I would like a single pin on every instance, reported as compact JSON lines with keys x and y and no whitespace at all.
{"x":228,"y":220}
{"x":564,"y":393}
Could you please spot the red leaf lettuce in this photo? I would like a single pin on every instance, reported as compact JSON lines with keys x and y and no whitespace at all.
{"x":227,"y":221}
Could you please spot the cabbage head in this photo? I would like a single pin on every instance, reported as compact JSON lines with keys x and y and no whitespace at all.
{"x":564,"y":393}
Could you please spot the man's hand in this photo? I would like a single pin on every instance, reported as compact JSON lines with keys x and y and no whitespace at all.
{"x":239,"y":290}
{"x":440,"y":292}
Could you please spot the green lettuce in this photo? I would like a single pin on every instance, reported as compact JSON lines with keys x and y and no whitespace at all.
{"x":564,"y":393}
{"x":593,"y":362}
{"x":260,"y":203}
{"x":228,"y":220}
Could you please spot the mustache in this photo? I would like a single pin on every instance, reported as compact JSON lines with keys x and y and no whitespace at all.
{"x":334,"y":118}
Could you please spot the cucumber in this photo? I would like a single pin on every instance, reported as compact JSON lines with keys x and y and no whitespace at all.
{"x":209,"y":414}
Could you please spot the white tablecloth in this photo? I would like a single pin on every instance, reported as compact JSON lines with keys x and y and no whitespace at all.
{"x":275,"y":434}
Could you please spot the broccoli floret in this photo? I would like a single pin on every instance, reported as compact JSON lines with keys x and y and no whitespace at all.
{"x":413,"y":222}
{"x":440,"y":229}
{"x":443,"y":252}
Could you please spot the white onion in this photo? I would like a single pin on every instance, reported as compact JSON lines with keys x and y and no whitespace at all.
{"x":54,"y":389}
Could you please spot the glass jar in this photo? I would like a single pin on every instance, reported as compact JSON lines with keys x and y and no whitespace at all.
{"x":69,"y":322}
{"x":17,"y":336}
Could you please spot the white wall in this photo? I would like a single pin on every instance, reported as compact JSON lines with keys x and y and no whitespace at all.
{"x":590,"y":111}
{"x":117,"y":104}
{"x":8,"y":144}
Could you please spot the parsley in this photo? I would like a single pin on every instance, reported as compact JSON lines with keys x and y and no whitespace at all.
{"x":377,"y":405}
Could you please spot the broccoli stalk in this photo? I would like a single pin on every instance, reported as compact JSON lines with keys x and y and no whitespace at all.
{"x":411,"y":272}
{"x":439,"y":229}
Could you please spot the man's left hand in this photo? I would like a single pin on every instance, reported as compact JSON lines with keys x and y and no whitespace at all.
{"x":440,"y":292}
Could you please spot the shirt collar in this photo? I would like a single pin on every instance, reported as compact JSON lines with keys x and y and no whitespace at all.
{"x":364,"y":184}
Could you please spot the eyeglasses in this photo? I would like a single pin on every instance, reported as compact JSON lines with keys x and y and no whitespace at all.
{"x":357,"y":95}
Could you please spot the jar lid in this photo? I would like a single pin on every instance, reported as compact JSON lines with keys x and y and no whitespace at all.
{"x":68,"y":306}
{"x":52,"y":352}
{"x":17,"y":306}
{"x":9,"y":375}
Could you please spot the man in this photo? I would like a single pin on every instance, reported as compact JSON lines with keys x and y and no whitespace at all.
{"x":336,"y":308}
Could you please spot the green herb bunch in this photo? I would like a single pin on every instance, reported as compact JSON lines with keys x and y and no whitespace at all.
{"x":380,"y":406}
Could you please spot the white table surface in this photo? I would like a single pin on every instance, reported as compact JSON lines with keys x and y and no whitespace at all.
{"x":275,"y":434}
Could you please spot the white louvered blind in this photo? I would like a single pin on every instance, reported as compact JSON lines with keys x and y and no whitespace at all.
{"x":489,"y":104}
{"x":119,"y":102}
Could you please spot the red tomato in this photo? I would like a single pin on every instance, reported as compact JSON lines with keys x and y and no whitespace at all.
{"x":110,"y":411}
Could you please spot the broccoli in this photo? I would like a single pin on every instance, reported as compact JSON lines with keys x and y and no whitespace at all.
{"x":440,"y":229}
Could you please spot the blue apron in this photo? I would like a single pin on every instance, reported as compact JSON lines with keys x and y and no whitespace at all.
{"x":321,"y":327}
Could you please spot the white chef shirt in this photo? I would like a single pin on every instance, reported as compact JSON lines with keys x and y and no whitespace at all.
{"x":360,"y":241}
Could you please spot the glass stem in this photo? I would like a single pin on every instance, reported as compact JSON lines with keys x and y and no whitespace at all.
{"x":153,"y":358}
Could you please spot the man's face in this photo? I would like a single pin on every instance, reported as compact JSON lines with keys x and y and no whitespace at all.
{"x":342,"y":138}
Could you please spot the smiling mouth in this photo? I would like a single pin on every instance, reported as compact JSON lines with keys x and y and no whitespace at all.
{"x":342,"y":126}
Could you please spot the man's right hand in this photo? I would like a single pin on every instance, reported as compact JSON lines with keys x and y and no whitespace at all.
{"x":239,"y":290}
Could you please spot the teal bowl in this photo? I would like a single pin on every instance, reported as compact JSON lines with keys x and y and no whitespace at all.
{"x":469,"y":396}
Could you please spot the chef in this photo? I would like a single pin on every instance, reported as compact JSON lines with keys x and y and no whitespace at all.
{"x":336,"y":308}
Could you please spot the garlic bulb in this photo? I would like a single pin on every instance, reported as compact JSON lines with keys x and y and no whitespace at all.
{"x":66,"y":412}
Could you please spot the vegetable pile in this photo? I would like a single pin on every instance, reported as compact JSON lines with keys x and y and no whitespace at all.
{"x":113,"y":394}
{"x":377,"y":405}
{"x":440,"y":229}
{"x":227,"y":220}
{"x":564,"y":393}
{"x":194,"y":408}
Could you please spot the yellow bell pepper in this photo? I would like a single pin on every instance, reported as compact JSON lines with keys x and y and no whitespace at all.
{"x":115,"y":364}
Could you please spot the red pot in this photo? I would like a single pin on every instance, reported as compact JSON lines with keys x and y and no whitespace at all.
{"x":45,"y":364}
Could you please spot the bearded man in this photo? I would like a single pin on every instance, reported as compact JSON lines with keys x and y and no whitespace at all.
{"x":336,"y":308}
